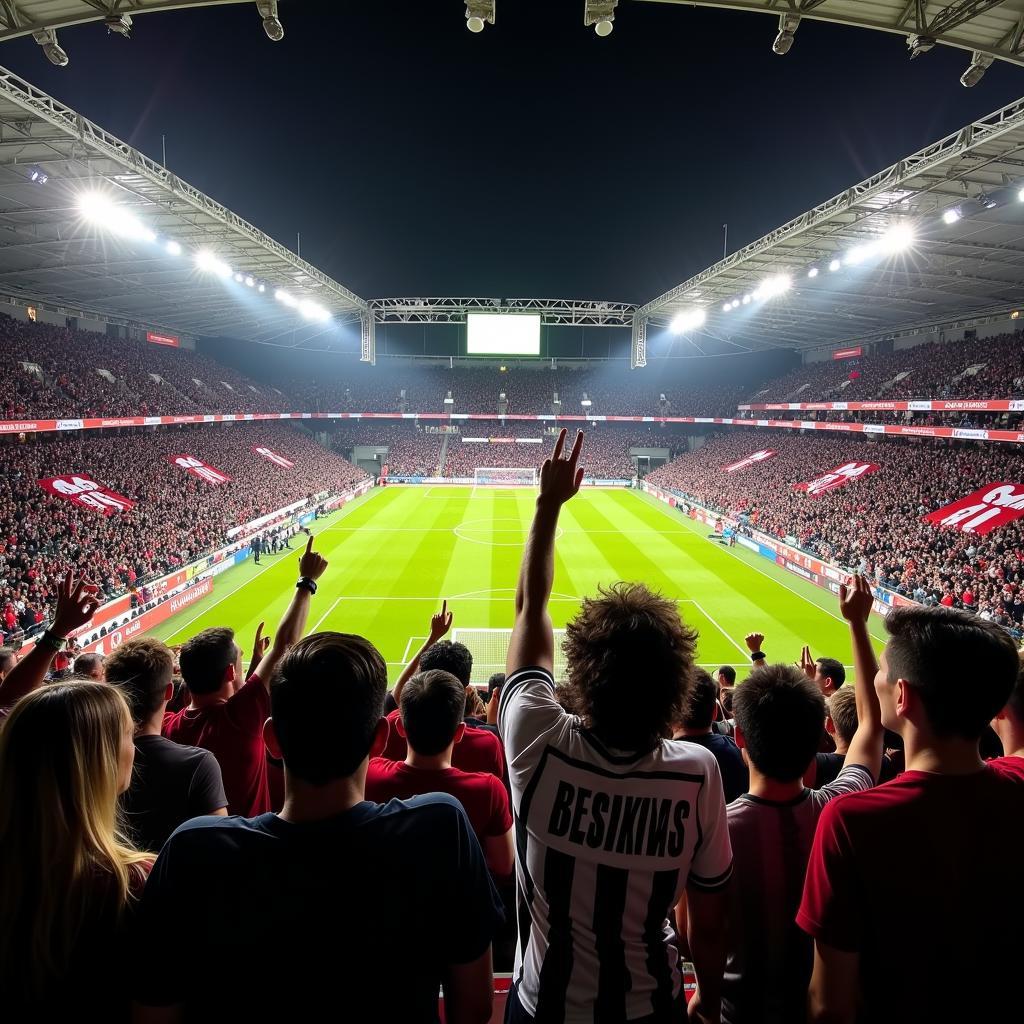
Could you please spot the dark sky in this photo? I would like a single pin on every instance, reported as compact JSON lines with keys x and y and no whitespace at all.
{"x":534,"y":159}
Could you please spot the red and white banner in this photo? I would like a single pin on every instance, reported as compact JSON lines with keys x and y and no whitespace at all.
{"x":837,"y":477}
{"x":269,"y":453}
{"x":198,"y":468}
{"x":163,"y":339}
{"x":982,"y":511}
{"x":909,"y":405}
{"x":83,"y":490}
{"x":848,"y":353}
{"x":750,"y":460}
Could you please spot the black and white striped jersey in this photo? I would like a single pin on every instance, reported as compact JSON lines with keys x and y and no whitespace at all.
{"x":606,"y":842}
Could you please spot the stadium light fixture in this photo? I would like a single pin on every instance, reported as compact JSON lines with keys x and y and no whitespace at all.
{"x":313,"y":311}
{"x":479,"y":14}
{"x":980,"y":63}
{"x":813,"y":272}
{"x":727,"y":307}
{"x":788,"y":24}
{"x":250,"y":282}
{"x":38,"y":176}
{"x":262,"y":288}
{"x":600,"y":14}
{"x":100,"y":209}
{"x":735,"y":303}
{"x":238,"y":277}
{"x":896,"y":239}
{"x":834,"y":266}
{"x":267,"y":10}
{"x":285,"y":298}
{"x":206,"y":261}
{"x":172,"y":248}
{"x":951,"y":216}
{"x":1020,"y":196}
{"x":119,"y":24}
{"x":55,"y":54}
{"x":688,"y":320}
{"x":746,"y":300}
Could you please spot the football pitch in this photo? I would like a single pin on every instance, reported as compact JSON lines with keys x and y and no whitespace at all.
{"x":398,"y":551}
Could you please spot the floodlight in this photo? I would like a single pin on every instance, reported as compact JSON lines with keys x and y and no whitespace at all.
{"x":896,"y":239}
{"x":688,"y":320}
{"x":813,"y":272}
{"x":206,"y":260}
{"x":918,"y":44}
{"x":313,"y":311}
{"x":604,"y":27}
{"x":735,"y":303}
{"x":951,"y":216}
{"x":262,"y":288}
{"x":857,"y":255}
{"x":1020,"y":195}
{"x":479,"y":13}
{"x":746,"y":300}
{"x":102,"y":210}
{"x":172,"y":248}
{"x":47,"y":39}
{"x":980,"y":63}
{"x":38,"y":176}
{"x":788,"y":24}
{"x":120,"y":24}
{"x":238,"y":277}
{"x":285,"y":298}
{"x":250,"y":282}
{"x":774,"y":286}
{"x":834,"y":265}
{"x":267,"y":10}
{"x":727,"y":307}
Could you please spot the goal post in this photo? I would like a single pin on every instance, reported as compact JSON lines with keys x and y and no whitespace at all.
{"x":504,"y":476}
{"x":489,"y":648}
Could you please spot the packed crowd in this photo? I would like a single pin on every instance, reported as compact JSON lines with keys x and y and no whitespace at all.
{"x":746,"y":829}
{"x":873,"y":525}
{"x":411,"y":450}
{"x":177,"y":516}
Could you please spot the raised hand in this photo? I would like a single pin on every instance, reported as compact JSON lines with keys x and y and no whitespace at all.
{"x":807,"y":663}
{"x":440,"y":623}
{"x":76,"y":604}
{"x":261,"y":643}
{"x":312,"y":563}
{"x":754,"y":642}
{"x":560,"y":478}
{"x":855,"y":599}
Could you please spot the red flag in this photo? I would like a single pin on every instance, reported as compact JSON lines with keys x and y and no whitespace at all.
{"x":837,"y":477}
{"x":984,"y":510}
{"x":750,"y":460}
{"x":198,"y":468}
{"x":83,"y":490}
{"x":269,"y":453}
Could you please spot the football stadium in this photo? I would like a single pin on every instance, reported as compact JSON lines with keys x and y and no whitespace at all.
{"x":465,"y":654}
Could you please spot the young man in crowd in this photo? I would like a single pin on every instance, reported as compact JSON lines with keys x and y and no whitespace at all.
{"x":8,"y":659}
{"x":91,"y":666}
{"x":613,"y":821}
{"x":480,"y":749}
{"x":227,"y":711}
{"x":779,"y":711}
{"x":892,"y":889}
{"x":431,"y":723}
{"x":297,"y":894}
{"x":700,"y":711}
{"x":171,"y":782}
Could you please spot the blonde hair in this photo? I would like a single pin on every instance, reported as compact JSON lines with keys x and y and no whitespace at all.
{"x":64,"y":862}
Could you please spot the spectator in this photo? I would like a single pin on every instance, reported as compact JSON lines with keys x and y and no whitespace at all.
{"x":1009,"y":726}
{"x":225,"y":715}
{"x":779,"y":712}
{"x":727,"y":676}
{"x":431,"y":723}
{"x":700,"y":711}
{"x":171,"y":782}
{"x":67,"y":875}
{"x":8,"y":659}
{"x":609,"y":813}
{"x":90,"y":666}
{"x":951,"y":818}
{"x":828,"y":673}
{"x":299,"y":884}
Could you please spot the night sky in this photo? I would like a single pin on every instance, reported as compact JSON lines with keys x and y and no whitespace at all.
{"x":534,"y":159}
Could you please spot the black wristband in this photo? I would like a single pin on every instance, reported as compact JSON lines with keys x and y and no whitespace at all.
{"x":305,"y":583}
{"x":758,"y":656}
{"x":52,"y":641}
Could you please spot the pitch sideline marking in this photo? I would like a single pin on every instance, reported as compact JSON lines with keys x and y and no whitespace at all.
{"x":714,"y":623}
{"x":726,"y":551}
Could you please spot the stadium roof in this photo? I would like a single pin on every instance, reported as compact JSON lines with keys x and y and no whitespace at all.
{"x":992,"y":27}
{"x":50,"y":255}
{"x":962,"y":199}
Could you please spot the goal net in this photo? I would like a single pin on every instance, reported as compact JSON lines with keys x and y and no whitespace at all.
{"x":504,"y":476}
{"x":490,"y":646}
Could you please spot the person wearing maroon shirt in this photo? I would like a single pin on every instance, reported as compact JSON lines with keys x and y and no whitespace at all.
{"x":1009,"y":726}
{"x":433,"y":704}
{"x":227,"y":719}
{"x":896,"y":882}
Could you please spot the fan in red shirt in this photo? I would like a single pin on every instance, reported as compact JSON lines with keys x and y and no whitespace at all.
{"x":227,"y":718}
{"x":1009,"y":726}
{"x":897,"y":877}
{"x":432,"y":708}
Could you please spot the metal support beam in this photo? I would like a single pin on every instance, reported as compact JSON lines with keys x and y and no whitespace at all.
{"x":638,"y":349}
{"x":368,"y":338}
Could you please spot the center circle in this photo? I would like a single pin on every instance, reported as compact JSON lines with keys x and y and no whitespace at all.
{"x":492,"y":532}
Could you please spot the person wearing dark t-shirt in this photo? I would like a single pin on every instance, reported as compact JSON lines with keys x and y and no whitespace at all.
{"x":294,"y":896}
{"x":226,"y":716}
{"x":893,"y":879}
{"x":432,"y":710}
{"x":700,"y":711}
{"x":171,"y":782}
{"x":841,"y":725}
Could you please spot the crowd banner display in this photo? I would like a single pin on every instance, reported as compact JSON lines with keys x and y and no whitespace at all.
{"x":750,"y":460}
{"x":909,"y":405}
{"x":198,"y":468}
{"x":269,"y":453}
{"x":838,"y":477}
{"x":983,"y":511}
{"x":81,"y":489}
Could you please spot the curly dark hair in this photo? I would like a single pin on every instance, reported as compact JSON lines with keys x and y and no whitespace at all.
{"x":630,"y":664}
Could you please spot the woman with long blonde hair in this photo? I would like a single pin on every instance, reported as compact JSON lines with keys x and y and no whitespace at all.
{"x":67,"y":875}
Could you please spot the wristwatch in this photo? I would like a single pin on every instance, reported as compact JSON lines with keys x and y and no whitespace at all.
{"x":52,"y":641}
{"x":305,"y":583}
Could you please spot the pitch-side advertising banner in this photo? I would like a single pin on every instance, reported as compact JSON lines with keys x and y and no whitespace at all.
{"x":198,"y":468}
{"x":269,"y":453}
{"x":837,"y":477}
{"x":982,"y":511}
{"x":750,"y":460}
{"x":83,"y":490}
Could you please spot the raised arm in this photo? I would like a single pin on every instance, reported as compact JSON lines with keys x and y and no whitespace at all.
{"x":293,"y":624}
{"x":533,"y":641}
{"x":76,"y":604}
{"x":440,"y":623}
{"x":866,"y":746}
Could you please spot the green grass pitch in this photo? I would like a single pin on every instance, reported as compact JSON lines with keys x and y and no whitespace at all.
{"x":395,"y":553}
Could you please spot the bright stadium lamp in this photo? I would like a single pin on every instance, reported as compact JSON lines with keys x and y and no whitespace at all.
{"x":1020,"y":195}
{"x":813,"y":272}
{"x":688,"y":320}
{"x":100,"y":209}
{"x":172,"y":248}
{"x":250,"y":282}
{"x":834,"y":266}
{"x":746,"y":299}
{"x":285,"y":298}
{"x":788,"y":24}
{"x":479,"y":14}
{"x":55,"y":54}
{"x":951,"y":216}
{"x":980,"y":63}
{"x":600,"y":14}
{"x":727,"y":307}
{"x":207,"y":261}
{"x":896,"y":239}
{"x":238,"y":277}
{"x":267,"y":10}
